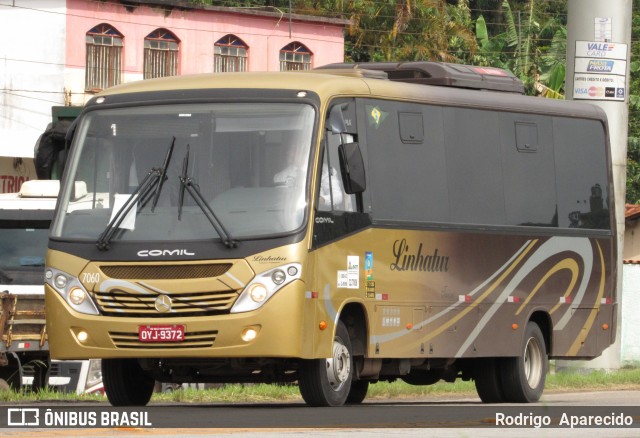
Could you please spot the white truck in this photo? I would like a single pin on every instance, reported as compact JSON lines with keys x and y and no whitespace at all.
{"x":25,"y":218}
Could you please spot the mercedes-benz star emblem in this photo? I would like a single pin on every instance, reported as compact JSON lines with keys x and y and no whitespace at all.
{"x":163,"y":303}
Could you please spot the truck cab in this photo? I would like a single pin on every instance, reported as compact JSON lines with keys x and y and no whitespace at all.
{"x":25,"y":218}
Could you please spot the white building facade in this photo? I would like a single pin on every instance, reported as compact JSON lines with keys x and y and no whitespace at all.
{"x":32,"y":65}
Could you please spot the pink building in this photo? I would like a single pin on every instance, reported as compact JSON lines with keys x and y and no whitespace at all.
{"x":111,"y":42}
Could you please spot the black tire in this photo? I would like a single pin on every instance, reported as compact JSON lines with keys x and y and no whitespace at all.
{"x":487,"y":379}
{"x":126,"y":383}
{"x":327,"y":382}
{"x":358,"y":392}
{"x":523,"y":377}
{"x":41,"y":370}
{"x":11,"y":373}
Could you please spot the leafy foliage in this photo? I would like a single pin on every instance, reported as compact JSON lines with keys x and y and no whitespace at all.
{"x":532,"y":45}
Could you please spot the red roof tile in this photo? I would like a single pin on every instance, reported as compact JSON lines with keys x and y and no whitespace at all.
{"x":631,"y":211}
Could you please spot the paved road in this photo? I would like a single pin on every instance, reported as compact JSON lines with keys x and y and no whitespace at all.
{"x":415,"y":418}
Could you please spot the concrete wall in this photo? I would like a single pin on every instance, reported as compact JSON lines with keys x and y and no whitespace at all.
{"x":630,"y":324}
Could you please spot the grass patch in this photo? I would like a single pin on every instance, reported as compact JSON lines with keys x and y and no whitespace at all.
{"x":594,"y":380}
{"x":623,"y":379}
{"x":8,"y":396}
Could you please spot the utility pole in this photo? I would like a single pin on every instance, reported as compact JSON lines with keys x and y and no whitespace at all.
{"x":598,"y":47}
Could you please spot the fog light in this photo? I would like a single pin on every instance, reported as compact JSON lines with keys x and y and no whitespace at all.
{"x":83,"y":336}
{"x":249,"y":334}
{"x":76,"y":296}
{"x":292,"y":270}
{"x":258,"y":292}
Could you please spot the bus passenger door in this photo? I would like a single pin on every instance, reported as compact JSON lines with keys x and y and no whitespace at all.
{"x":338,"y":212}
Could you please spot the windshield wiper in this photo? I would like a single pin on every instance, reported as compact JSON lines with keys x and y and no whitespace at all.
{"x":154,"y":179}
{"x":163,"y":175}
{"x":188,"y":185}
{"x":185,"y":166}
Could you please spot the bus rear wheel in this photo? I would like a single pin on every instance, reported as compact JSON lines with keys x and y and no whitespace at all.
{"x":126,"y":383}
{"x":327,"y":382}
{"x":523,"y":377}
{"x":487,"y":380}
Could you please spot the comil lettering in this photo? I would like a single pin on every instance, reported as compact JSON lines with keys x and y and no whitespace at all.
{"x":164,"y":252}
{"x":324,"y":220}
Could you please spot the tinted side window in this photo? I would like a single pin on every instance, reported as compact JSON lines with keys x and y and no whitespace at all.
{"x":529,"y":171}
{"x":474,"y":171}
{"x":582,"y":182}
{"x":406,"y":159}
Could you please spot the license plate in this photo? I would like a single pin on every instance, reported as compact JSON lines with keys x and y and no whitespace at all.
{"x":161,"y":333}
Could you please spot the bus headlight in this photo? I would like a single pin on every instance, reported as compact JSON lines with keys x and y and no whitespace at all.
{"x":258,"y":292}
{"x":76,"y":296}
{"x":70,"y":288}
{"x":264,"y":286}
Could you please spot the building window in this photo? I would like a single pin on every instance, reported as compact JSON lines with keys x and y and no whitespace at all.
{"x":230,"y":54}
{"x":295,"y":56}
{"x":160,"y":54}
{"x":104,"y":58}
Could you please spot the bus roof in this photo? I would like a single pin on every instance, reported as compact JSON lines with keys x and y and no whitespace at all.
{"x":342,"y":82}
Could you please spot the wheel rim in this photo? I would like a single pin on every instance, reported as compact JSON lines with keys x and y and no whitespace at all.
{"x":533,"y":358}
{"x":338,"y":366}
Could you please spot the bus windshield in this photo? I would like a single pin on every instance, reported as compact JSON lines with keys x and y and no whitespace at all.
{"x":187,"y":172}
{"x":22,"y":249}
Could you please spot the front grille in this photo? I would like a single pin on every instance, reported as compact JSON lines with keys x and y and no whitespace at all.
{"x":131,"y":303}
{"x":191,"y":340}
{"x":165,"y":272}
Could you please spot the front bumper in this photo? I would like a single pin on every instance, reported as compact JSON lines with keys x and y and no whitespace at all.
{"x":282,"y":325}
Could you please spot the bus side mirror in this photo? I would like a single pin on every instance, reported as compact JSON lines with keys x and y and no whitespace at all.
{"x":336,"y":123}
{"x":352,"y":168}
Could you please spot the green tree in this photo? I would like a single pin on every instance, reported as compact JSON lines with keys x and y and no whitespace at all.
{"x":633,"y":144}
{"x":409,"y":30}
{"x":553,"y":66}
{"x":532,"y":45}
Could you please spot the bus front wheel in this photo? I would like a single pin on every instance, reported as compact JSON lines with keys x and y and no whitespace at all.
{"x":358,"y":392}
{"x":327,"y":382}
{"x":126,"y":383}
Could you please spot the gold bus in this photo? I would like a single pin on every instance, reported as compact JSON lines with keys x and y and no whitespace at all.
{"x":335,"y":228}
